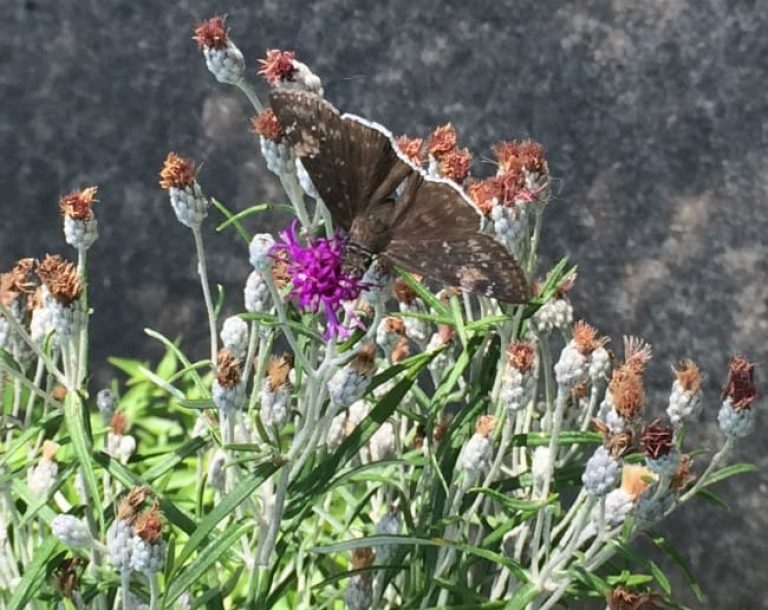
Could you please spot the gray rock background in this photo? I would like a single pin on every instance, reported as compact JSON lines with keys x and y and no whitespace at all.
{"x":654,"y":115}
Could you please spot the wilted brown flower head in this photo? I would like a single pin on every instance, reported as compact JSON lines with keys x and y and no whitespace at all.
{"x":585,"y":338}
{"x":637,"y":353}
{"x":128,"y":507}
{"x":177,"y":172}
{"x":119,"y":422}
{"x":66,"y":576}
{"x":526,"y":154}
{"x":635,"y":479}
{"x":277,"y":66}
{"x":403,"y":292}
{"x":21,"y":280}
{"x":683,"y":475}
{"x":455,"y":164}
{"x":362,"y":558}
{"x":442,"y":140}
{"x":485,"y":193}
{"x":61,"y":279}
{"x":511,"y":187}
{"x":394,"y":325}
{"x":688,"y":375}
{"x":278,"y":370}
{"x":627,"y":391}
{"x":413,"y":148}
{"x":364,"y":361}
{"x":212,"y":33}
{"x":227,"y":369}
{"x":657,"y":439}
{"x":149,"y":525}
{"x":267,"y":126}
{"x":622,"y":598}
{"x":618,"y":444}
{"x":79,"y":204}
{"x":485,"y":425}
{"x":401,"y":351}
{"x":280,"y":274}
{"x":446,"y":333}
{"x":521,"y":355}
{"x":740,"y":387}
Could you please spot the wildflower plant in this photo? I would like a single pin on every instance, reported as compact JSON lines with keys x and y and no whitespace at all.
{"x":414,"y":447}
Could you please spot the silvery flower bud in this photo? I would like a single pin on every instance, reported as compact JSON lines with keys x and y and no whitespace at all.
{"x":359,"y":593}
{"x":376,"y":282}
{"x":389,"y":525}
{"x":226,"y":64}
{"x":305,"y":181}
{"x":512,"y":227}
{"x":119,"y":544}
{"x":121,"y":447}
{"x":571,"y":367}
{"x":275,"y":405}
{"x":256,"y":293}
{"x":40,"y":326}
{"x":349,"y":383}
{"x":72,"y":532}
{"x":383,"y":443}
{"x":258,"y":252}
{"x":601,"y":474}
{"x":230,"y":398}
{"x":42,"y":477}
{"x":277,"y":155}
{"x":67,"y":320}
{"x":476,"y":455}
{"x":216,"y":475}
{"x":685,"y":397}
{"x":106,"y":403}
{"x":189,"y":204}
{"x":618,"y":505}
{"x":555,"y":314}
{"x":599,"y":365}
{"x":147,"y":557}
{"x":234,"y":336}
{"x":80,"y":233}
{"x":735,"y":423}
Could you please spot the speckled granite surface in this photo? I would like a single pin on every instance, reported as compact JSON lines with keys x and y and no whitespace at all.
{"x":654,"y":115}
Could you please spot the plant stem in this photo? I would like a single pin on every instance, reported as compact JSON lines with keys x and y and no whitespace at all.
{"x":203,"y":273}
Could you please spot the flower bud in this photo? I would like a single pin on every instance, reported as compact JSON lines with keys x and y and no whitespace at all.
{"x":258,"y":251}
{"x":234,"y":336}
{"x":223,"y":59}
{"x":187,"y":199}
{"x":72,"y":532}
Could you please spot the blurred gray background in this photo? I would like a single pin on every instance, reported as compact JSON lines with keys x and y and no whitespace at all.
{"x":654,"y":115}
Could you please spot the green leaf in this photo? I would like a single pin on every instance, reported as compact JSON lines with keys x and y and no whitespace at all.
{"x":34,"y":575}
{"x":425,"y":295}
{"x":661,"y":542}
{"x":75,"y":413}
{"x":254,"y":209}
{"x":522,"y":597}
{"x":225,"y":508}
{"x":711,"y":496}
{"x":231,"y":217}
{"x":174,"y":349}
{"x":567,"y":437}
{"x":728,"y":471}
{"x":179,"y":453}
{"x":513,"y":504}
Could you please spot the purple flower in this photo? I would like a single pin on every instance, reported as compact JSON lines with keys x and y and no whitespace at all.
{"x":318,"y":279}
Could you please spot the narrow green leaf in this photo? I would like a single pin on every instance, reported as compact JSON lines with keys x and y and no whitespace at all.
{"x":174,"y":349}
{"x":728,"y":471}
{"x":75,"y":414}
{"x":425,"y":295}
{"x":661,"y":542}
{"x":567,"y":437}
{"x":254,"y":209}
{"x":458,"y":319}
{"x":244,"y":235}
{"x":711,"y":496}
{"x":34,"y":575}
{"x":174,"y":458}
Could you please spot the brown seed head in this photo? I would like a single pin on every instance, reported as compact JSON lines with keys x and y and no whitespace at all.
{"x":585,"y":338}
{"x":455,"y":164}
{"x":394,"y":325}
{"x":128,"y":507}
{"x":657,"y":439}
{"x":635,"y":479}
{"x":364,"y":361}
{"x":227,"y":369}
{"x":266,"y":125}
{"x":627,"y":391}
{"x":526,"y":155}
{"x":149,"y":525}
{"x":401,"y":351}
{"x":413,"y":148}
{"x":403,"y":292}
{"x":688,"y":375}
{"x":277,"y":66}
{"x":442,"y":140}
{"x":362,"y":558}
{"x":521,"y":355}
{"x":740,"y":387}
{"x":618,"y":444}
{"x":178,"y":172}
{"x":212,"y":33}
{"x":683,"y":475}
{"x":622,"y":598}
{"x":280,"y":274}
{"x":485,"y":425}
{"x":485,"y":193}
{"x":446,"y":333}
{"x":79,"y":204}
{"x":21,"y":280}
{"x":61,"y":279}
{"x":119,"y":422}
{"x":441,"y":429}
{"x":278,"y":370}
{"x":637,"y":354}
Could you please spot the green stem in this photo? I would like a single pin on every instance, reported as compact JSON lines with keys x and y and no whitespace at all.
{"x":203,"y":273}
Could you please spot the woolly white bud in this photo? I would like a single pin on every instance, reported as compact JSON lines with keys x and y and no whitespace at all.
{"x":256,"y":293}
{"x":72,"y":532}
{"x":540,"y":465}
{"x":67,"y":320}
{"x":275,"y":405}
{"x":216,"y":478}
{"x":121,"y":447}
{"x":80,"y":233}
{"x":42,"y":476}
{"x":106,"y":403}
{"x":119,"y":547}
{"x":601,"y":474}
{"x":147,"y":557}
{"x":416,"y":329}
{"x":476,"y":454}
{"x":189,"y":204}
{"x":618,"y":505}
{"x":226,"y":64}
{"x":228,"y":399}
{"x":377,"y":282}
{"x":258,"y":251}
{"x":382,"y":443}
{"x":303,"y":78}
{"x":359,"y":593}
{"x":683,"y":404}
{"x":735,"y":423}
{"x":234,"y":336}
{"x":346,"y":386}
{"x":599,"y":365}
{"x":554,"y":314}
{"x":389,"y":525}
{"x":277,"y":155}
{"x":571,"y":367}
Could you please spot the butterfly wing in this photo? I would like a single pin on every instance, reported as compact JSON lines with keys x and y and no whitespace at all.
{"x":351,"y":162}
{"x":436,"y":234}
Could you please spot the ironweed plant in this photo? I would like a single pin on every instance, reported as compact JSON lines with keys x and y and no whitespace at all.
{"x":358,"y":442}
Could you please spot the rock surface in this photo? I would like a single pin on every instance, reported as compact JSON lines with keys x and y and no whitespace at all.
{"x":654,"y":116}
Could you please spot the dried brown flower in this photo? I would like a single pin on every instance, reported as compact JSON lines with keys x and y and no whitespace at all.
{"x":637,"y":353}
{"x":740,"y":387}
{"x":413,"y":148}
{"x":66,"y":576}
{"x":79,"y":204}
{"x":267,"y":125}
{"x":683,"y":475}
{"x":277,"y":66}
{"x":688,"y":375}
{"x":227,"y":369}
{"x":511,"y":187}
{"x":485,"y":193}
{"x":278,"y":370}
{"x":455,"y":164}
{"x":622,"y":598}
{"x":627,"y":391}
{"x":212,"y":33}
{"x":394,"y":325}
{"x":61,"y":279}
{"x":119,"y":422}
{"x":585,"y":338}
{"x":364,"y":361}
{"x":657,"y":439}
{"x":362,"y":558}
{"x":50,"y":449}
{"x":446,"y":333}
{"x":526,"y":154}
{"x":635,"y":479}
{"x":149,"y":525}
{"x":618,"y":444}
{"x":178,"y":172}
{"x":521,"y":355}
{"x":403,"y":292}
{"x":401,"y":351}
{"x":128,"y":507}
{"x":20,"y":281}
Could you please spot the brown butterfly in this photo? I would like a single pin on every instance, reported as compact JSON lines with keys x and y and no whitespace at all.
{"x":390,"y":208}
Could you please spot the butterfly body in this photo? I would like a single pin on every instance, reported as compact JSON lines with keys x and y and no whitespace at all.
{"x":390,"y":208}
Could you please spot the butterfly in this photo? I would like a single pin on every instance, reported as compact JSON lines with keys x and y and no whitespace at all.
{"x":389,"y":207}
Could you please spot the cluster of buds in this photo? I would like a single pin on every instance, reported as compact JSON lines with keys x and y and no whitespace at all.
{"x":234,"y":336}
{"x":120,"y":446}
{"x":18,"y":290}
{"x":345,"y":423}
{"x":62,"y":289}
{"x":349,"y":383}
{"x":41,"y":478}
{"x":178,"y":177}
{"x":658,"y":443}
{"x":622,"y":598}
{"x":228,"y":387}
{"x":446,"y":159}
{"x":573,"y":366}
{"x":440,"y":340}
{"x":282,"y":69}
{"x":557,"y":312}
{"x":275,"y":392}
{"x":389,"y":525}
{"x":477,"y":453}
{"x":224,"y":60}
{"x":135,"y":538}
{"x":518,"y":385}
{"x":685,"y":397}
{"x":412,"y":149}
{"x":80,"y":226}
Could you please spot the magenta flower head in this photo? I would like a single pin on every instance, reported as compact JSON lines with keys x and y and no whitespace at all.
{"x":319,"y":282}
